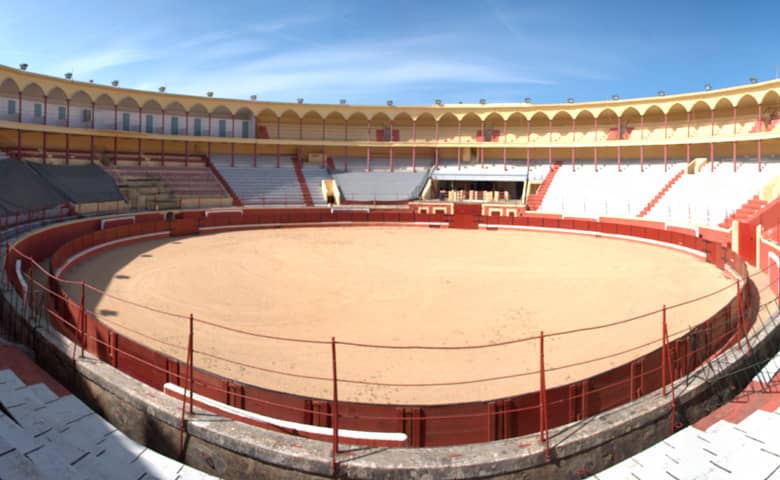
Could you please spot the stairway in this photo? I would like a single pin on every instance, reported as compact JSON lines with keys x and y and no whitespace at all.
{"x":660,"y":194}
{"x":302,"y":182}
{"x":744,"y":212}
{"x":535,"y":200}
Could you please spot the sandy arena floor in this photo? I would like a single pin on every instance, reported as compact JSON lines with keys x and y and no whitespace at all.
{"x":401,"y":286}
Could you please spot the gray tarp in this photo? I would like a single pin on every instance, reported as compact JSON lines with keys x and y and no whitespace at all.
{"x":381,"y":186}
{"x":80,"y":184}
{"x":22,"y":190}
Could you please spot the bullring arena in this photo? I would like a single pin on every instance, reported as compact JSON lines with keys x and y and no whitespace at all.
{"x":475,"y":290}
{"x":445,"y":291}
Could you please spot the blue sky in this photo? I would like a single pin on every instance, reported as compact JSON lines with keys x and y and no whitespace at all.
{"x":409,"y":51}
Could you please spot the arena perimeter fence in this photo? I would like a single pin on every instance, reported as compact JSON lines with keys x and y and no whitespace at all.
{"x":678,"y":354}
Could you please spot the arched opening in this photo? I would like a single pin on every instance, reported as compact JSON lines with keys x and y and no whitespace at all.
{"x":539,"y":128}
{"x":335,"y":126}
{"x":381,"y":128}
{"x":608,"y":129}
{"x":80,"y":110}
{"x":245,"y":123}
{"x":151,"y":117}
{"x":516,"y":128}
{"x":32,"y":104}
{"x":57,"y":107}
{"x":494,"y":128}
{"x":583,"y":127}
{"x":654,"y":123}
{"x":104,"y":113}
{"x":770,"y":105}
{"x":289,"y":126}
{"x":425,"y":128}
{"x":447,"y":128}
{"x":677,"y":122}
{"x":9,"y":100}
{"x":197,"y":121}
{"x":701,"y":119}
{"x":724,"y":117}
{"x":471,"y":128}
{"x":629,"y":122}
{"x":175,"y":115}
{"x":221,"y":122}
{"x":358,"y":127}
{"x":402,"y":127}
{"x":561,"y":127}
{"x":312,"y":126}
{"x":747,"y":115}
{"x":267,"y":123}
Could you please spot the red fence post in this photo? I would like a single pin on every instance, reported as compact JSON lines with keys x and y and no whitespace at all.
{"x":663,"y":349}
{"x":544,"y":434}
{"x":83,"y":319}
{"x":742,"y":320}
{"x":187,"y":384}
{"x":335,"y":412}
{"x":190,"y":361}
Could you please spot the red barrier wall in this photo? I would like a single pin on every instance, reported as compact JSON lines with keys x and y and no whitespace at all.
{"x":433,"y":425}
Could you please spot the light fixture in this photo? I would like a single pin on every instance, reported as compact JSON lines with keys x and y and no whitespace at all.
{"x":482,"y":101}
{"x":661,"y":93}
{"x":69,"y":76}
{"x":343,"y":101}
{"x":23,"y":66}
{"x":91,"y":81}
{"x":389,"y":103}
{"x":114,"y":83}
{"x":300,"y":101}
{"x":438,"y":102}
{"x":570,"y":100}
{"x":209,"y":94}
{"x":615,"y":97}
{"x":707,"y":87}
{"x":527,"y":99}
{"x":254,"y":98}
{"x":162,"y":89}
{"x":753,"y":80}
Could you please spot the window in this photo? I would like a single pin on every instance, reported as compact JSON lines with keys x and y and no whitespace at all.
{"x":11,"y":107}
{"x":150,"y":124}
{"x":223,"y":128}
{"x":38,"y":110}
{"x":61,"y":113}
{"x":126,"y":122}
{"x":245,"y":129}
{"x":174,"y":125}
{"x":86,"y":115}
{"x":198,"y":131}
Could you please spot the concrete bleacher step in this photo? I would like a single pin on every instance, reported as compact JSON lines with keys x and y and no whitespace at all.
{"x":61,"y":437}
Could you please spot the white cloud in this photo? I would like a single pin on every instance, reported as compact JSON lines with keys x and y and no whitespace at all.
{"x":102,"y":60}
{"x":375,"y":68}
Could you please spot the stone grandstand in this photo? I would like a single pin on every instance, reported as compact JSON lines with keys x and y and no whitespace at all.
{"x":715,"y":178}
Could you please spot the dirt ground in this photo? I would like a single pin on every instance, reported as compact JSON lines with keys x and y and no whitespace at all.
{"x":400,"y":286}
